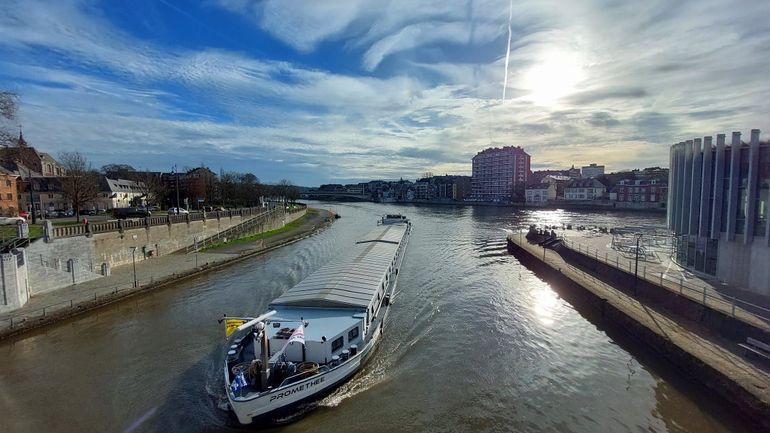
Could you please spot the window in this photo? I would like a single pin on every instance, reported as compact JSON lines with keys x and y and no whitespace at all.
{"x":337,"y":344}
{"x":7,"y":183}
{"x":352,"y":334}
{"x":9,"y":196}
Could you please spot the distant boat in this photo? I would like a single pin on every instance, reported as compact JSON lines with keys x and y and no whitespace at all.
{"x":393,"y":219}
{"x":317,"y":334}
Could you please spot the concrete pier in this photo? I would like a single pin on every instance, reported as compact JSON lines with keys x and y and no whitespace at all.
{"x":735,"y":379}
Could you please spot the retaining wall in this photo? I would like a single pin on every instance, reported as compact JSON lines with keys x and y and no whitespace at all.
{"x":662,"y":298}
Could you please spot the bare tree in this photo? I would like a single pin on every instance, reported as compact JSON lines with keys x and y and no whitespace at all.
{"x":8,"y":107}
{"x":118,"y":171}
{"x":152,"y":186}
{"x":81,"y":184}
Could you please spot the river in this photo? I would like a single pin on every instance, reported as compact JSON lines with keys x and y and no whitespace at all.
{"x":475,"y":342}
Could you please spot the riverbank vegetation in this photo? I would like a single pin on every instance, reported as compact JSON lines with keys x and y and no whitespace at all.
{"x":259,"y":236}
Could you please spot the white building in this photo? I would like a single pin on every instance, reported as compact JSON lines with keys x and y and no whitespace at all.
{"x":584,"y":189}
{"x":541,"y":193}
{"x":591,"y":170}
{"x":117,"y":193}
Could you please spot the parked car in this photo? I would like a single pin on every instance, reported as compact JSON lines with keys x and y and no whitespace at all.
{"x":130,"y":212}
{"x":11,"y":220}
{"x":153,"y":208}
{"x":54,"y":213}
{"x":180,"y":211}
{"x":24,"y":214}
{"x":87,"y":212}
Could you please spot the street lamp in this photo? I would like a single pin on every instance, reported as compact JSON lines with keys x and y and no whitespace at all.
{"x":176,"y":172}
{"x":133,"y":259}
{"x":196,"y":251}
{"x":636,"y":266}
{"x":31,"y":197}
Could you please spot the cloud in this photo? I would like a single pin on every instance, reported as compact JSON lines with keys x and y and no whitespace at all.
{"x":405,"y":87}
{"x":590,"y":97}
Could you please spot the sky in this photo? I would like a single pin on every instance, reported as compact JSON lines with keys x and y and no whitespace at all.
{"x":347,"y":91}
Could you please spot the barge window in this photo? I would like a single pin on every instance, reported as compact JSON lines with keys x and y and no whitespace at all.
{"x":352,"y":334}
{"x":337,"y":344}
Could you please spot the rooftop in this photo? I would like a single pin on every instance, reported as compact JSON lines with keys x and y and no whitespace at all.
{"x":351,"y":282}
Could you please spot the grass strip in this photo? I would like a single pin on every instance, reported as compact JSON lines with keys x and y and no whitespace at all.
{"x":251,"y":238}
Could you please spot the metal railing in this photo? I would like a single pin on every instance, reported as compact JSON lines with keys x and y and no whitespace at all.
{"x":146,"y":222}
{"x":244,"y":228}
{"x":704,"y":295}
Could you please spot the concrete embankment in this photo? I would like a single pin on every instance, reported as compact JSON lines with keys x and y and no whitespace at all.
{"x":692,"y":347}
{"x":168,"y":270}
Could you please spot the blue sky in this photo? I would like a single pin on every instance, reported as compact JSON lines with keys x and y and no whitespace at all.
{"x":318,"y":92}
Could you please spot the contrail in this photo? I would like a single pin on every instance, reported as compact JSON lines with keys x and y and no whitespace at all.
{"x":508,"y":51}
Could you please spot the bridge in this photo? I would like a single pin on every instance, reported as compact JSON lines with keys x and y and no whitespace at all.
{"x":317,"y":194}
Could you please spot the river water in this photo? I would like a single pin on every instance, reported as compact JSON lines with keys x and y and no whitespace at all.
{"x":475,"y":342}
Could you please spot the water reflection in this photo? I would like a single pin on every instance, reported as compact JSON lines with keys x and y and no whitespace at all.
{"x":545,"y":302}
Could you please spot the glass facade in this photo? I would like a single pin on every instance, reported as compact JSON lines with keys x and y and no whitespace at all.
{"x":745,"y":198}
{"x":725,"y":190}
{"x":763,"y":192}
{"x":743,"y":184}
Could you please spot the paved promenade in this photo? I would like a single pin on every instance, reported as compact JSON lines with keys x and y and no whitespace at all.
{"x":658,"y":268}
{"x":149,"y":273}
{"x":672,"y":337}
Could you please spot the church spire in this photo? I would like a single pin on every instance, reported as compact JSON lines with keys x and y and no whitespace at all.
{"x":21,"y":141}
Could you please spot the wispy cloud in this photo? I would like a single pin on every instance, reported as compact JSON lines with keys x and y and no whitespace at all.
{"x":359,"y":89}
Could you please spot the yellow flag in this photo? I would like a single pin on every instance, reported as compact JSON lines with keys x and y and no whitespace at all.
{"x":232,"y":324}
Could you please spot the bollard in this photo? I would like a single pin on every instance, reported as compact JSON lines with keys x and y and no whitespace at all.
{"x":661,"y":278}
{"x":733,"y":301}
{"x":704,"y":295}
{"x":43,"y":311}
{"x":70,"y":303}
{"x":681,"y":282}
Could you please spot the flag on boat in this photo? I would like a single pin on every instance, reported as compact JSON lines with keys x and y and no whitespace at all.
{"x":232,"y":324}
{"x":298,"y":335}
{"x":239,"y":381}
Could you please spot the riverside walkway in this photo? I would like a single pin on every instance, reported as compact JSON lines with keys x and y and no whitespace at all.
{"x":150,"y":274}
{"x":727,"y":373}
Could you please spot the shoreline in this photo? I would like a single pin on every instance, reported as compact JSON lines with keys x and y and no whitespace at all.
{"x":80,"y":308}
{"x":570,"y":206}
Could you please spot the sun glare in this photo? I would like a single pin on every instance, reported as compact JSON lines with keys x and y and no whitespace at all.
{"x":553,"y":76}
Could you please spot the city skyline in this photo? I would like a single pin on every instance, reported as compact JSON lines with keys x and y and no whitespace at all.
{"x":347,"y":92}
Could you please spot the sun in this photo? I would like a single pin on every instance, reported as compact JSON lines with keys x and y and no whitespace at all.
{"x":554,"y":74}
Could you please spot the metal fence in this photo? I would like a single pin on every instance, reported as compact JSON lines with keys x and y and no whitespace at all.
{"x":705,"y":295}
{"x":146,"y":222}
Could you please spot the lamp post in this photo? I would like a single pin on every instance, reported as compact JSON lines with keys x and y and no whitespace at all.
{"x":176,"y":172}
{"x":133,"y":259}
{"x":196,"y":251}
{"x":636,"y":265}
{"x":31,"y":197}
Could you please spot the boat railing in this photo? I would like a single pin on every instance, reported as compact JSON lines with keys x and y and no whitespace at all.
{"x":304,"y":375}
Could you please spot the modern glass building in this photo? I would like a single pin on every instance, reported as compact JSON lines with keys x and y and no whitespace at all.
{"x":718,"y":209}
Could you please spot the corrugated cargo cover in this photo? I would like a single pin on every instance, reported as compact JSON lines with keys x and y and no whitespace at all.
{"x":353,"y":281}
